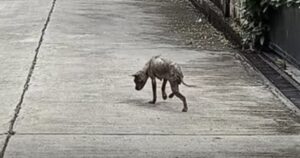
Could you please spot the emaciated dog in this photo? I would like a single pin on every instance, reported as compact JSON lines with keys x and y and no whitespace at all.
{"x":165,"y":70}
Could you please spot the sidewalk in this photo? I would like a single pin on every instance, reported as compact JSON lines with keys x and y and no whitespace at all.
{"x":81,"y":100}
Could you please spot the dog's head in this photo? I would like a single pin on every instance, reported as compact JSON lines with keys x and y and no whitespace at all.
{"x":140,"y":79}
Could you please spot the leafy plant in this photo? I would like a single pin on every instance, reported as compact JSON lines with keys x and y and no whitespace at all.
{"x":256,"y":16}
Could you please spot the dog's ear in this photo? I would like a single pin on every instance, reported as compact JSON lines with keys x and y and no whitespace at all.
{"x":136,"y":74}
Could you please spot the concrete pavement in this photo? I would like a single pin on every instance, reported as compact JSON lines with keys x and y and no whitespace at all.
{"x":2,"y":141}
{"x":20,"y":27}
{"x":154,"y":146}
{"x":81,"y":100}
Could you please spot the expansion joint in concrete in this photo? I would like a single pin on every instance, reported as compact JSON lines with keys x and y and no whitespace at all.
{"x":11,"y":131}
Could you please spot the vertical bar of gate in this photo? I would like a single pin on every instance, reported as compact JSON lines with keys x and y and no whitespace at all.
{"x":226,"y":8}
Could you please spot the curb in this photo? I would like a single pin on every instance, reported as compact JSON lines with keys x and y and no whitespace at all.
{"x":280,"y":83}
{"x":216,"y":18}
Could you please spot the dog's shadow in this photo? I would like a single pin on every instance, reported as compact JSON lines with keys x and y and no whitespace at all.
{"x":142,"y":103}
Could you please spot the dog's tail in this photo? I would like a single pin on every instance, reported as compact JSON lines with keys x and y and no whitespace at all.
{"x":188,"y":84}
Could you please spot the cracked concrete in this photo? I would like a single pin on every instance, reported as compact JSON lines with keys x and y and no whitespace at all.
{"x":20,"y":27}
{"x":22,"y":17}
{"x":81,"y":101}
{"x":2,"y":141}
{"x":31,"y":70}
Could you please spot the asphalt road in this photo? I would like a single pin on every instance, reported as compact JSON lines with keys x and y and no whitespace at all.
{"x":66,"y":89}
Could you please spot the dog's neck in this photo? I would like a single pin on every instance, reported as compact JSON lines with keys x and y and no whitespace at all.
{"x":146,"y":68}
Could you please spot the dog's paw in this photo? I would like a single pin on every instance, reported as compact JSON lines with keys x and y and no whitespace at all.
{"x":164,"y":96}
{"x":171,"y":95}
{"x":151,"y":102}
{"x":184,"y":110}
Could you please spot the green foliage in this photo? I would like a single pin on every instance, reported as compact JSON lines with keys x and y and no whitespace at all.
{"x":256,"y":17}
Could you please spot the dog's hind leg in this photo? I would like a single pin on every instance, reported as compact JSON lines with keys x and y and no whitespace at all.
{"x":153,"y":90}
{"x":175,"y":91}
{"x":163,"y":89}
{"x":181,"y":97}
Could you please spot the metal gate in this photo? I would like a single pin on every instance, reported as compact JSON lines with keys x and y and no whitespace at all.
{"x":285,"y":34}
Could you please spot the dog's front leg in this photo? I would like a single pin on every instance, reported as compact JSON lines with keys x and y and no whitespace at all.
{"x":153,"y":90}
{"x":163,"y":89}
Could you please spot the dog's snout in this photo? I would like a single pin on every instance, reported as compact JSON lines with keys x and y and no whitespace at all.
{"x":138,"y":87}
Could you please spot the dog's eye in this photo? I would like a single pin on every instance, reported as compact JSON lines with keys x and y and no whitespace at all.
{"x":138,"y":80}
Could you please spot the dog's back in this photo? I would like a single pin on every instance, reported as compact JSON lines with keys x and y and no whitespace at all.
{"x":164,"y":69}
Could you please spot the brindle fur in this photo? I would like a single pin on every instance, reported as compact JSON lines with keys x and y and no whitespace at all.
{"x":165,"y":70}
